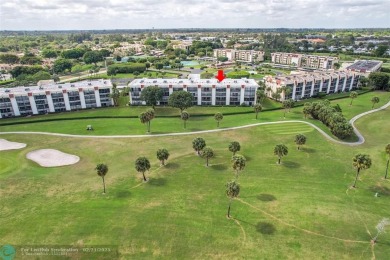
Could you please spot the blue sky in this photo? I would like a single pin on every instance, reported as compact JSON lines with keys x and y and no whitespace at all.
{"x":146,"y":14}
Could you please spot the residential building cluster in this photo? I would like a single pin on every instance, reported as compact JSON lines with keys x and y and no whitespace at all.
{"x":51,"y":97}
{"x":304,"y":60}
{"x":249,"y":56}
{"x":208,"y":92}
{"x":307,"y":84}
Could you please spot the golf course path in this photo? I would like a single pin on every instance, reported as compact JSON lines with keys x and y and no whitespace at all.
{"x":352,"y":121}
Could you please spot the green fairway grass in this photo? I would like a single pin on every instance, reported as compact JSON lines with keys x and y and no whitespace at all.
{"x":168,"y":121}
{"x":301,"y":209}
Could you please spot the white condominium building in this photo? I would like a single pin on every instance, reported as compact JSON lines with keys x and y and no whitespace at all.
{"x":240,"y":55}
{"x":51,"y":98}
{"x":209,"y":92}
{"x":305,"y":85}
{"x":304,"y":60}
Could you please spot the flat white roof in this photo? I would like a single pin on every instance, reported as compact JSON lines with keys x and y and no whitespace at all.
{"x":228,"y":81}
{"x":56,"y":87}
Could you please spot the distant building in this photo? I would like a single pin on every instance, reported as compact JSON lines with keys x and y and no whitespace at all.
{"x":206,"y":92}
{"x":304,"y":85}
{"x":184,"y":45}
{"x":52,"y":98}
{"x":304,"y":60}
{"x":240,"y":55}
{"x":365,"y":66}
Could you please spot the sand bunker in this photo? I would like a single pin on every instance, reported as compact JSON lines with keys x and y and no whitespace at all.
{"x":52,"y":158}
{"x":7,"y":145}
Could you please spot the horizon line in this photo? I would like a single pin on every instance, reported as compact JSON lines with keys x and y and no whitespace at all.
{"x":198,"y":28}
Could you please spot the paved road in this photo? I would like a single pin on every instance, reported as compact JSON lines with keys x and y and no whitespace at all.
{"x":352,"y":121}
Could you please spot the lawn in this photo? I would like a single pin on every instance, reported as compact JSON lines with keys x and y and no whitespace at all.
{"x":167,"y":119}
{"x":301,"y":209}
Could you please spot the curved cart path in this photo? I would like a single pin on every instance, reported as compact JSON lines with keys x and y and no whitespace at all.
{"x":352,"y":121}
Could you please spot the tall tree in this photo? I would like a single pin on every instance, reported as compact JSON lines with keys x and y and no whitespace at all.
{"x":61,"y":65}
{"x":374,"y":100}
{"x":185,"y":116}
{"x":207,"y":153}
{"x":285,"y":104}
{"x":146,"y":117}
{"x":387,"y":150}
{"x":300,"y":139}
{"x":307,"y":109}
{"x":115,"y":94}
{"x":198,"y":144}
{"x":162,"y":155}
{"x":101,"y":170}
{"x":181,"y":100}
{"x":360,"y":162}
{"x":291,"y":104}
{"x":142,"y":165}
{"x":280,"y":150}
{"x":353,"y":95}
{"x":93,"y":57}
{"x":232,"y":191}
{"x":257,"y":107}
{"x":234,"y":147}
{"x":379,"y":80}
{"x":260,"y":95}
{"x":151,"y":95}
{"x":238,"y":163}
{"x":218,"y":117}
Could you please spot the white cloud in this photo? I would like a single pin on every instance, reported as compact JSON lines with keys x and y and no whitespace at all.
{"x":133,"y":14}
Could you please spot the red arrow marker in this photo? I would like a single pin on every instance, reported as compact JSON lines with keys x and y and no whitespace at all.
{"x":220,"y":76}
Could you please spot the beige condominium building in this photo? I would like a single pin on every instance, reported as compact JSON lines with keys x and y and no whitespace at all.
{"x":240,"y":55}
{"x":52,"y":98}
{"x":304,"y":60}
{"x":307,"y":84}
{"x":206,"y":92}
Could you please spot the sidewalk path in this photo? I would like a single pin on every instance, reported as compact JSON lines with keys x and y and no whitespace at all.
{"x":352,"y":121}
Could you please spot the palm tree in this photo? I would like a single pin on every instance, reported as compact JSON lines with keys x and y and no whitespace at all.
{"x":143,"y":117}
{"x":353,"y":95}
{"x":260,"y":95}
{"x":146,"y":117}
{"x":286,"y":91}
{"x":300,"y":139}
{"x":115,"y":95}
{"x":142,"y":165}
{"x":257,"y":107}
{"x":307,"y":109}
{"x":285,"y":104}
{"x":280,"y":150}
{"x":162,"y":155}
{"x":374,"y":100}
{"x":101,"y":170}
{"x":232,"y":191}
{"x":387,"y":149}
{"x":360,"y":162}
{"x":238,"y":163}
{"x":234,"y":147}
{"x":269,"y":91}
{"x":291,"y":104}
{"x":218,"y":116}
{"x":185,"y":116}
{"x":275,"y":96}
{"x":198,"y":144}
{"x":207,"y":153}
